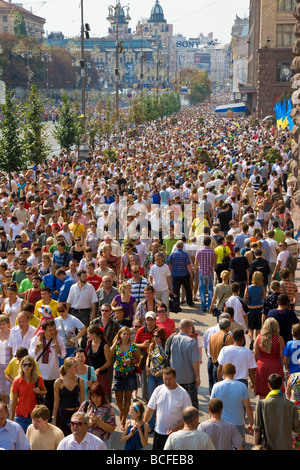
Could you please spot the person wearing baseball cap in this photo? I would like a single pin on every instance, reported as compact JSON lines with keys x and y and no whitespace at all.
{"x":143,"y":339}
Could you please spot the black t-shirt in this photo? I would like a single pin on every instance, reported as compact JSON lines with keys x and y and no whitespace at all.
{"x":262,"y":265}
{"x":286,"y":319}
{"x":239,"y":264}
{"x":225,"y":217}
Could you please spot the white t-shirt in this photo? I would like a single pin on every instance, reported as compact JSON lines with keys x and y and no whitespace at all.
{"x":169,"y":405}
{"x":283,"y":256}
{"x":239,"y":313}
{"x":241,"y":357}
{"x":160,"y":274}
{"x":67,"y":327}
{"x":273,"y":246}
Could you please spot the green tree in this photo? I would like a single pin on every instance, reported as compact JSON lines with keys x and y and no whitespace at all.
{"x":66,"y":129}
{"x":19,"y":24}
{"x":35,"y":139}
{"x":11,"y":142}
{"x":136,"y":114}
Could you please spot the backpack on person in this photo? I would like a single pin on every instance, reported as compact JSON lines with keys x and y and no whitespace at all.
{"x":167,"y":359}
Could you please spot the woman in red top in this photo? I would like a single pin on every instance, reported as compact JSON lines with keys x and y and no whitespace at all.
{"x":25,"y":388}
{"x":162,"y":319}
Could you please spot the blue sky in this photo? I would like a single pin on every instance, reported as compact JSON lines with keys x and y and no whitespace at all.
{"x":188,"y":17}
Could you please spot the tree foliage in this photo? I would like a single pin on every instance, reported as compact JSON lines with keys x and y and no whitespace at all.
{"x":35,"y":138}
{"x":11,"y":141}
{"x":19,"y":24}
{"x":66,"y":129}
{"x":152,"y":107}
{"x":199,"y":83}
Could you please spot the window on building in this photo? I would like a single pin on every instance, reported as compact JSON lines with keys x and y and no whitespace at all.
{"x":5,"y":29}
{"x":4,"y":19}
{"x":285,"y":35}
{"x":283,"y":71}
{"x":286,"y":5}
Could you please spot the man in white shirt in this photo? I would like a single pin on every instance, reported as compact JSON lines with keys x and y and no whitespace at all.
{"x":81,"y":439}
{"x":82,"y":301}
{"x":47,"y":353}
{"x":282,"y":258}
{"x":160,"y":279}
{"x":241,"y":357}
{"x":21,"y":334}
{"x":169,"y":401}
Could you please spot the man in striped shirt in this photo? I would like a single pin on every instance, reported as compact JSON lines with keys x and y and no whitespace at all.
{"x":138,"y":283}
{"x":205,"y":262}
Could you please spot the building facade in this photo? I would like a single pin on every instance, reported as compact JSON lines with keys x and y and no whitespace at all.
{"x":34,"y":24}
{"x":271,"y":25}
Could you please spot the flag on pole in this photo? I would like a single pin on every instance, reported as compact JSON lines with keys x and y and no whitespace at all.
{"x":289,"y":109}
{"x":285,"y":121}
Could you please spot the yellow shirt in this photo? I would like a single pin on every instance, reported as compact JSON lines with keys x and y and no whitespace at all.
{"x":222,"y":251}
{"x":197,"y":227}
{"x":77,"y":229}
{"x":53,"y":305}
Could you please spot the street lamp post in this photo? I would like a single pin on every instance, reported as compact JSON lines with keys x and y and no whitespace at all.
{"x":22,"y":50}
{"x":84,"y":32}
{"x":119,"y":49}
{"x":46,"y":57}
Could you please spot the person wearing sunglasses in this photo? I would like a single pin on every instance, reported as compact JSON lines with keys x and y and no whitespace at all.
{"x":25,"y":389}
{"x":81,"y":439}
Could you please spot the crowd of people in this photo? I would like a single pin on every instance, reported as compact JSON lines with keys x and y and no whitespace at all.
{"x":98,"y":257}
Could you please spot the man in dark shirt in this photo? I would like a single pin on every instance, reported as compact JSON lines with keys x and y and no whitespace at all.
{"x":239,"y":270}
{"x":260,"y":264}
{"x":286,"y":318}
{"x":224,"y":217}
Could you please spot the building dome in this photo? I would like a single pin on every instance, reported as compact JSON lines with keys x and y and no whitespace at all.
{"x":157,"y":14}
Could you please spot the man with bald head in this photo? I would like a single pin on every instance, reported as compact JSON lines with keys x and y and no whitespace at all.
{"x":185,"y":358}
{"x":189,"y":438}
{"x":107,"y":292}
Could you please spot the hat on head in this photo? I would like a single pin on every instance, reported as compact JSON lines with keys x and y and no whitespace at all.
{"x":45,"y":310}
{"x":150,"y":315}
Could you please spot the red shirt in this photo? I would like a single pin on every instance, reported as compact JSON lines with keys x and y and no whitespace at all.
{"x":95,"y":281}
{"x":27,"y":399}
{"x":142,"y":334}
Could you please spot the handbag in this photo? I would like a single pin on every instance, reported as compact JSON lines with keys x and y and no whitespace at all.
{"x":41,"y":399}
{"x":167,"y":359}
{"x":215,"y":311}
{"x":69,"y":342}
{"x":225,"y":260}
{"x":174,"y":304}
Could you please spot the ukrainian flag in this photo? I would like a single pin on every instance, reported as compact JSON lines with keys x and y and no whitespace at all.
{"x":279,"y":113}
{"x":289,"y":109}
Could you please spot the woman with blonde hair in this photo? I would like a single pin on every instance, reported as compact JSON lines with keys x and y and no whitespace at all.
{"x":268,"y":349}
{"x":127,"y":357}
{"x":254,"y":297}
{"x":222,"y":292}
{"x":25,"y":390}
{"x":125,"y":300}
{"x":68,"y":394}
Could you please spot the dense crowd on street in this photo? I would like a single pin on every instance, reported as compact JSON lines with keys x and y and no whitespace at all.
{"x":97,"y":259}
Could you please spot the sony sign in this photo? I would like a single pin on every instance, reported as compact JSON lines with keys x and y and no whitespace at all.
{"x":193,"y":43}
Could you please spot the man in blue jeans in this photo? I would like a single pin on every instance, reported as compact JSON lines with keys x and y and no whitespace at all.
{"x":180,"y":266}
{"x":205,"y":261}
